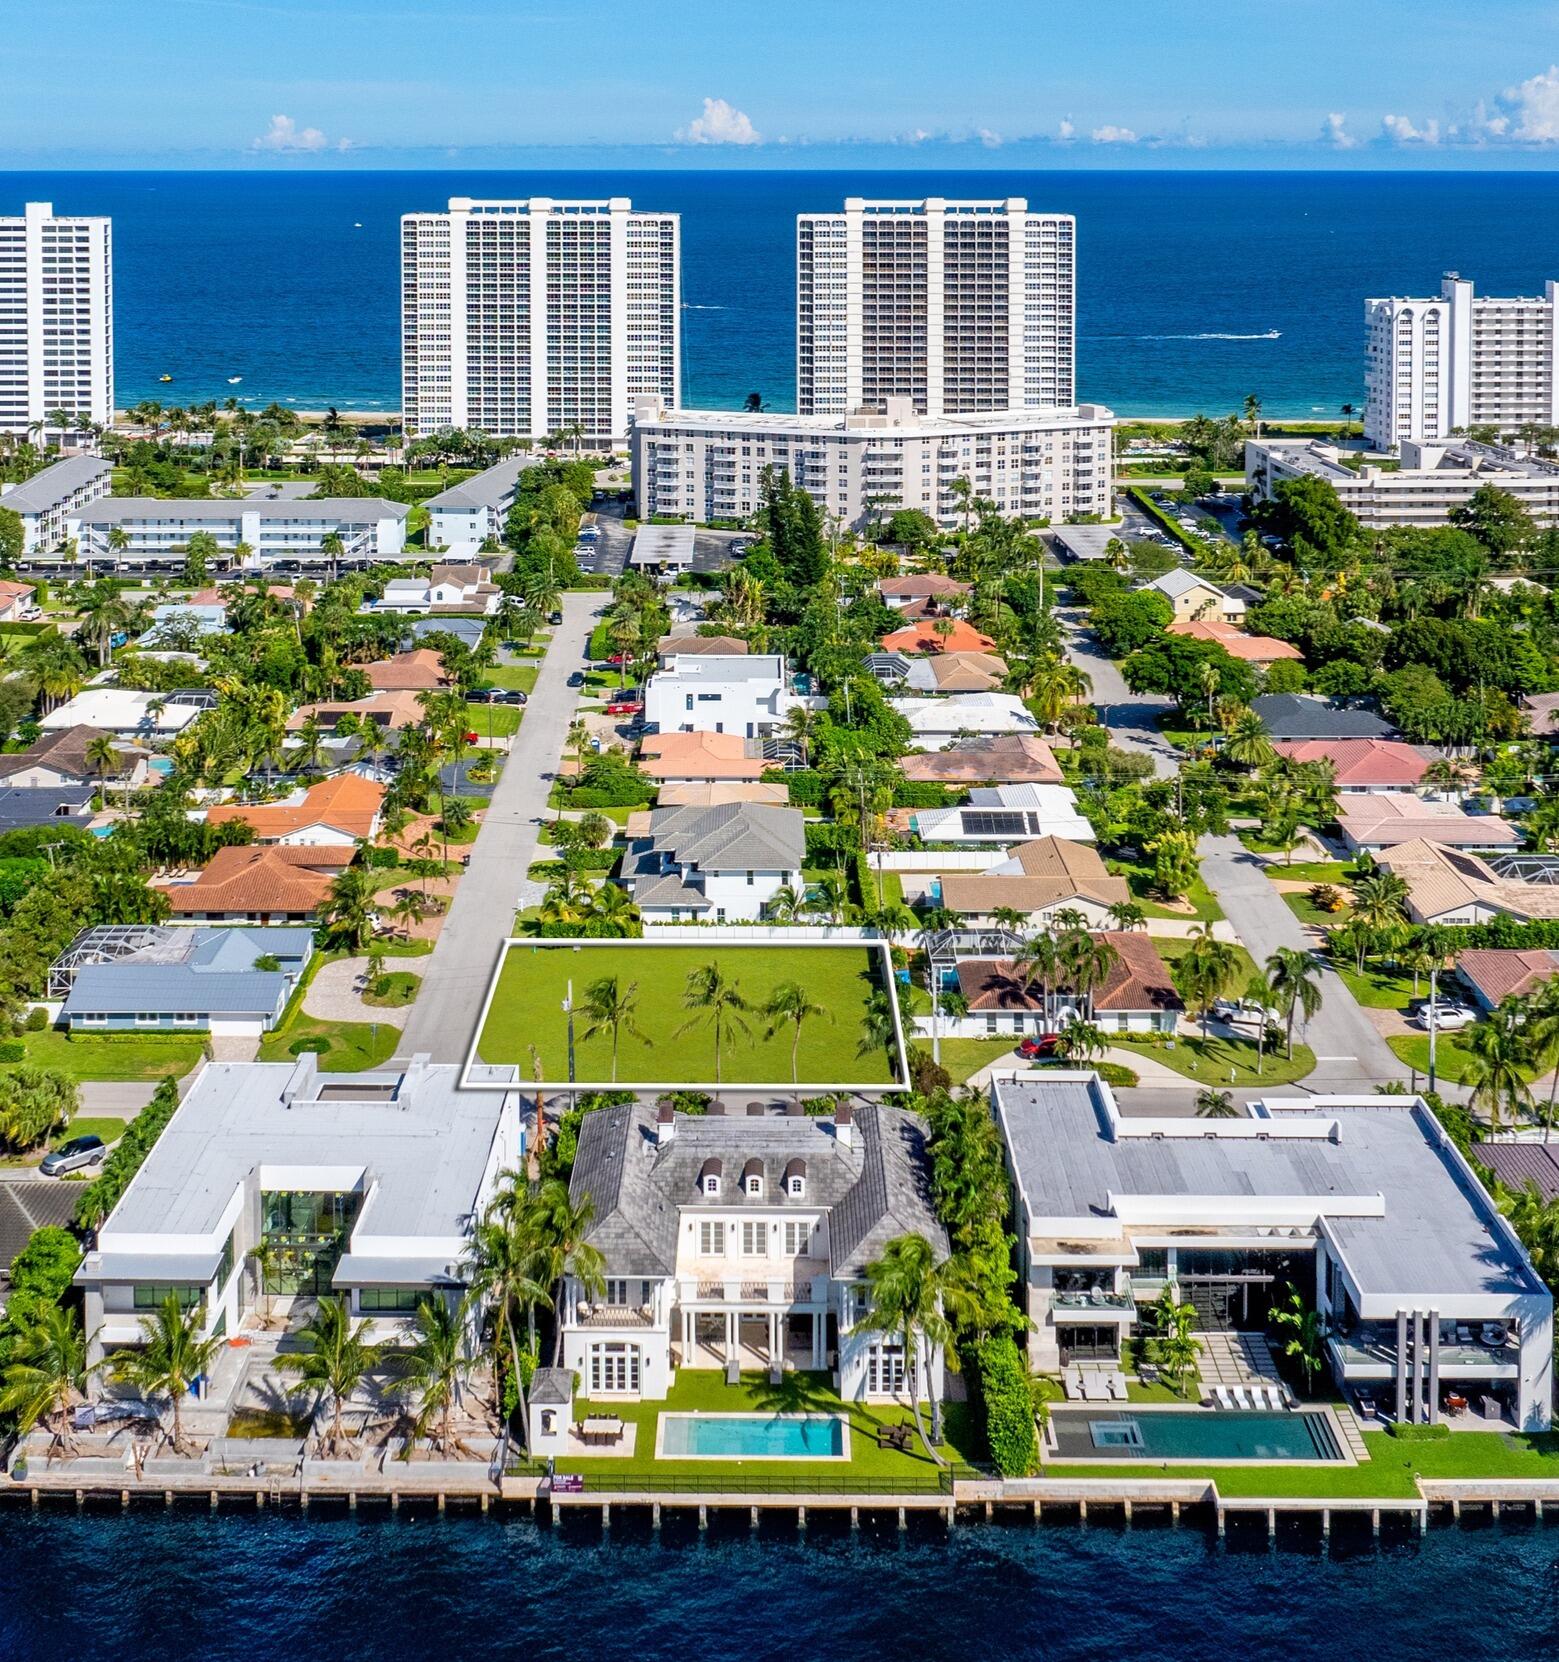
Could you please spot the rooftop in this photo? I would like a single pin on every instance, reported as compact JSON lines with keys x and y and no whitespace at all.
{"x":1504,"y":972}
{"x":693,"y":646}
{"x":203,"y":970}
{"x":1296,"y":716}
{"x":740,"y":836}
{"x":488,"y":489}
{"x":1392,"y":817}
{"x":1001,"y":757}
{"x":63,"y":749}
{"x":921,"y":584}
{"x":987,"y":712}
{"x":348,"y":510}
{"x":1360,"y":761}
{"x":348,"y":803}
{"x":26,"y":805}
{"x":47,"y":489}
{"x":660,"y":545}
{"x":700,"y":756}
{"x":261,"y":877}
{"x":1138,"y":980}
{"x":938,"y":635}
{"x":732,"y":667}
{"x":1252,"y":649}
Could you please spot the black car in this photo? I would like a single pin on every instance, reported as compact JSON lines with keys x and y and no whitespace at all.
{"x":554,"y":618}
{"x":577,"y":679}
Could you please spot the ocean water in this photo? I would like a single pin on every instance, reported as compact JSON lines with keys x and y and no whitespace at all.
{"x":182,"y":1587}
{"x":1194,"y":289}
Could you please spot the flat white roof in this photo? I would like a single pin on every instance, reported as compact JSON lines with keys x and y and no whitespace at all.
{"x":662,"y":545}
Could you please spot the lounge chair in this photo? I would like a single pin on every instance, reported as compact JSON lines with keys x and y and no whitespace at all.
{"x":1274,"y":1394}
{"x":1072,"y":1382}
{"x":1094,"y":1388}
{"x":1240,"y":1398}
{"x":1221,"y":1396}
{"x":1117,"y":1386}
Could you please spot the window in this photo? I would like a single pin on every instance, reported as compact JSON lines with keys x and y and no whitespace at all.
{"x":798,"y":1234}
{"x":755,"y":1239}
{"x":885,"y":1368}
{"x":153,"y":1295}
{"x":390,"y":1300}
{"x":621,"y":1294}
{"x":712,"y":1182}
{"x":711,"y":1235}
{"x":614,"y":1367}
{"x":755,"y":1185}
{"x":146,"y":1018}
{"x":797,"y":1186}
{"x":186,"y":1018}
{"x":92,"y":1018}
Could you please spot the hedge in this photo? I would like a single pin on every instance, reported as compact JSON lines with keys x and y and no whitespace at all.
{"x":1007,"y":1404}
{"x":102,"y":1194}
{"x":1407,"y":1432}
{"x":1160,"y":518}
{"x":591,"y":796}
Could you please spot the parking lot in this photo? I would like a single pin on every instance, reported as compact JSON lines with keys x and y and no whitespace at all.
{"x":608,"y":556}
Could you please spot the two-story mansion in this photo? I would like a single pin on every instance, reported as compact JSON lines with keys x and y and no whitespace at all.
{"x":743,"y":1240}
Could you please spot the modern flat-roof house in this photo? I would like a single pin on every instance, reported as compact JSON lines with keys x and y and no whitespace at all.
{"x":127,"y":714}
{"x":685,"y":756}
{"x":341,"y":810}
{"x":956,"y":672}
{"x":1361,"y":1203}
{"x":1002,"y":759}
{"x":714,"y":864}
{"x":151,"y":978}
{"x":744,"y":1240}
{"x":363,"y":1185}
{"x":1042,"y":877}
{"x":1382,"y":820}
{"x":746,"y":695}
{"x":260,"y":883}
{"x":1362,"y":766}
{"x":47,"y":500}
{"x":1298,"y":716}
{"x":250,"y":532}
{"x":935,"y":722}
{"x":466,"y":516}
{"x":1250,"y":649}
{"x":1194,"y":598}
{"x":924,"y":636}
{"x":1006,"y":814}
{"x":1138,"y":996}
{"x":467,"y":589}
{"x":23,"y":806}
{"x":1449,"y":885}
{"x":59,"y":757}
{"x":1494,"y":973}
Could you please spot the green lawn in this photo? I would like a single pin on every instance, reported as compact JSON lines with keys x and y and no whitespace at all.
{"x":1390,"y":1472}
{"x":704,"y":1390}
{"x":1213,"y":1063}
{"x":1452,"y":1058}
{"x":527,"y":1010}
{"x":355,"y":1046}
{"x":1381,"y":989}
{"x":494,"y":721}
{"x":1311,"y":871}
{"x":1170,"y":948}
{"x":83,"y":1125}
{"x":398,"y":988}
{"x":1139,"y":879}
{"x":110,"y":1056}
{"x":1305,"y":909}
{"x":963,"y":1057}
{"x":516,"y":677}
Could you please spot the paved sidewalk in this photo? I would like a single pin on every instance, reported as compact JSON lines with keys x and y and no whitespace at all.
{"x":455,"y":976}
{"x":1128,"y":715}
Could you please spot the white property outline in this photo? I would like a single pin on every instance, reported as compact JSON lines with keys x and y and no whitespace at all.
{"x":765,"y":1087}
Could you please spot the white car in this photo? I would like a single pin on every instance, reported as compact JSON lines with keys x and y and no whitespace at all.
{"x":1447,"y":1018}
{"x":1246,"y":1010}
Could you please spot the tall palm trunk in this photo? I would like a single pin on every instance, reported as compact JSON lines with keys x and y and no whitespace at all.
{"x":912,"y":1379}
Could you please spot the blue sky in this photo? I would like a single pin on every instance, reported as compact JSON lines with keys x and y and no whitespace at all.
{"x":780,"y":83}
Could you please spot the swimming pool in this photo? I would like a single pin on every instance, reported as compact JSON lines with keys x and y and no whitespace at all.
{"x":1159,"y":1435}
{"x":752,"y":1437}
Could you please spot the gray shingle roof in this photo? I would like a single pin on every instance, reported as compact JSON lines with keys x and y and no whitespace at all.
{"x":736,"y":836}
{"x":486,"y":489}
{"x":24,"y":805}
{"x":26,"y":1205}
{"x":874,"y":1188}
{"x":1294,"y":716}
{"x":44,"y":490}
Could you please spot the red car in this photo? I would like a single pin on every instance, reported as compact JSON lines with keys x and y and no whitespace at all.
{"x":1036,"y":1047}
{"x":625,"y":704}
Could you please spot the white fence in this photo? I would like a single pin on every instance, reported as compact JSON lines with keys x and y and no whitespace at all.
{"x":779,"y":934}
{"x":926,"y":859}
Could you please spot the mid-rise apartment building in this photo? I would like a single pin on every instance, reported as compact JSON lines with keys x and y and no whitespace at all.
{"x":957,"y":306}
{"x":535,"y":317}
{"x":705,"y":465}
{"x":56,"y":319}
{"x":1434,"y":367}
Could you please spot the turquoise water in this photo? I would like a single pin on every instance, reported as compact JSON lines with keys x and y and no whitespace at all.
{"x":1193,"y":289}
{"x":1169,"y":1434}
{"x":751,"y":1437}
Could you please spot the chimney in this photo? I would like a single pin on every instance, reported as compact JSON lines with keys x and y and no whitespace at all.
{"x":665,"y":1124}
{"x":844,"y":1125}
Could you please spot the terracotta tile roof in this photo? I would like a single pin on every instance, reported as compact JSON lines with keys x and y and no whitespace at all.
{"x":1006,"y":759}
{"x":261,"y":878}
{"x":347,"y":803}
{"x":699,"y":756}
{"x":1252,"y":649}
{"x":1543,"y":711}
{"x":10,"y":591}
{"x":1139,"y":980}
{"x":919,"y":584}
{"x":693,"y":646}
{"x":713,"y":793}
{"x":420,"y":670}
{"x":394,"y":710}
{"x":922,"y":637}
{"x":968,"y":671}
{"x":1502,"y":973}
{"x":1361,"y":761}
{"x":1389,"y":819}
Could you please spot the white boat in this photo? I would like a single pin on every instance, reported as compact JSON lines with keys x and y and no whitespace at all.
{"x":233,"y":380}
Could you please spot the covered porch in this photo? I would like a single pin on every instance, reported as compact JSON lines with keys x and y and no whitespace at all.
{"x":755,"y":1338}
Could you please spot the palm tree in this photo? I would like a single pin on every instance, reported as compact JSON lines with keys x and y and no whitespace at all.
{"x":435,"y":1365}
{"x":506,"y":1276}
{"x":1207,"y":971}
{"x":878,"y":1031}
{"x":906,"y":1287}
{"x":103,"y":758}
{"x":1291,"y":977}
{"x":336,"y":1359}
{"x":719,"y":1005}
{"x":46,"y":1373}
{"x":1247,"y":742}
{"x":789,"y":1006}
{"x":800,"y":726}
{"x":610,"y":1007}
{"x":1216,"y":1105}
{"x":1498,"y":1053}
{"x":784,"y":904}
{"x":1380,"y":902}
{"x":1128,"y":915}
{"x":1039,"y":960}
{"x":170,"y":1358}
{"x":1088,"y":961}
{"x":349,"y":910}
{"x":558,"y":1227}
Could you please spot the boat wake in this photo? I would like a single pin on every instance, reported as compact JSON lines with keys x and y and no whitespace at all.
{"x":1213,"y":334}
{"x":688,"y":306}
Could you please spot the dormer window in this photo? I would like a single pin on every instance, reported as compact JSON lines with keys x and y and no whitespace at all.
{"x":752,"y":1178}
{"x":709,"y":1175}
{"x":794,"y":1182}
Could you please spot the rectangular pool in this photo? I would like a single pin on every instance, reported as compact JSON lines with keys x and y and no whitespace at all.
{"x":1158,"y":1435}
{"x":752,"y":1437}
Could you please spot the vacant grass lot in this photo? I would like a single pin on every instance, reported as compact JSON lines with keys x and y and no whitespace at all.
{"x":100,"y":1056}
{"x":1382,"y":989}
{"x":705,"y":1391}
{"x":1452,"y":1058}
{"x":964,"y":1057}
{"x":527,"y":1010}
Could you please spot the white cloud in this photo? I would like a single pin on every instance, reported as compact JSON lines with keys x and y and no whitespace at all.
{"x":1528,"y":113}
{"x":721,"y":123}
{"x":1334,"y":131}
{"x":1066,"y":132}
{"x":1400,"y":129}
{"x":991,"y":141}
{"x":284,"y":135}
{"x":1113,"y":135}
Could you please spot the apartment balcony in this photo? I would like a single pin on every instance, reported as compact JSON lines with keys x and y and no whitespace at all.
{"x":1371,"y":1353}
{"x":1078,"y":1302}
{"x":612,"y":1315}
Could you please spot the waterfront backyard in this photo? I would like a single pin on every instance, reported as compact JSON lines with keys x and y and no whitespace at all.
{"x":668,"y":1037}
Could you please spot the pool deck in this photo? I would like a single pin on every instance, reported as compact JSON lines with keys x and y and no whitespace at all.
{"x":1052,"y":1453}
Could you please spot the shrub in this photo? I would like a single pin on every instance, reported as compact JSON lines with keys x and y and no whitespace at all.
{"x":301,"y":1047}
{"x":926,"y":1075}
{"x":377,"y":858}
{"x":1408,"y":1433}
{"x":1007,"y":1404}
{"x":37,"y":1019}
{"x":12,"y":1050}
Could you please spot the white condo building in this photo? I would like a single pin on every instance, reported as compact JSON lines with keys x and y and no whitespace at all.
{"x":56,"y":318}
{"x":705,"y":465}
{"x":957,"y":306}
{"x":1434,"y":367}
{"x":527,"y":318}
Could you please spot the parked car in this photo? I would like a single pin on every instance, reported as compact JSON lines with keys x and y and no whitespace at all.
{"x":589,"y":533}
{"x":1245,"y":1009}
{"x":1446,"y":1017}
{"x":577,"y":679}
{"x":554,"y":618}
{"x":1038,"y":1046}
{"x":625,"y":704}
{"x":73,"y":1156}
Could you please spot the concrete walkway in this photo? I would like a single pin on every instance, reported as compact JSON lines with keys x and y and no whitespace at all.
{"x":455,"y":976}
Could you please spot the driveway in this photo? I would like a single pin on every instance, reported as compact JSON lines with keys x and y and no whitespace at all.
{"x":1128,"y":715}
{"x":455,"y":976}
{"x":1350,"y":1053}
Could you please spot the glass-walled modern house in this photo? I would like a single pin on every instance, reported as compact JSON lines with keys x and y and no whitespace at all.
{"x":303,"y":1236}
